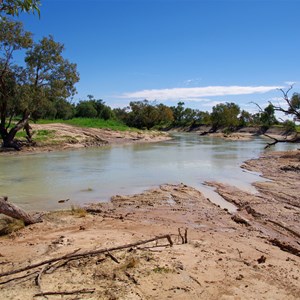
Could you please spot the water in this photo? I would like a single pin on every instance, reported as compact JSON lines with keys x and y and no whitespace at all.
{"x":39,"y":181}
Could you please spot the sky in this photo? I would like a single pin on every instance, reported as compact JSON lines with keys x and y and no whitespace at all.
{"x":199,"y":52}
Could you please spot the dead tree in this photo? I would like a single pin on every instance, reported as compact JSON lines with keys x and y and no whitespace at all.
{"x":293,"y":108}
{"x":15,"y":212}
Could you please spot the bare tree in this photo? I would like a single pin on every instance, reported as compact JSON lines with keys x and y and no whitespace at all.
{"x":293,"y":109}
{"x":293,"y":104}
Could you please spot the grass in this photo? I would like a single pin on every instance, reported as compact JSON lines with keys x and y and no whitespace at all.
{"x":78,"y":212}
{"x":91,"y":123}
{"x":9,"y":225}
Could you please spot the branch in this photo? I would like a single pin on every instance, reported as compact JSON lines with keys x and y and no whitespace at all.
{"x":84,"y":291}
{"x":87,"y":253}
{"x":294,"y":139}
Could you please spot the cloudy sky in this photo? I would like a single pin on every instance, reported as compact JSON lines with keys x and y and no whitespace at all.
{"x":200,"y":52}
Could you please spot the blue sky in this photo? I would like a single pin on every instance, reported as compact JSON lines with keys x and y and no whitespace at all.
{"x":199,"y":52}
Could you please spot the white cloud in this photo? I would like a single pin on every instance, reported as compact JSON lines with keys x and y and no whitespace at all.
{"x":196,"y":93}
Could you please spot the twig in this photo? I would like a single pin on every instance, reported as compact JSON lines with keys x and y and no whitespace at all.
{"x":181,"y":236}
{"x":112,"y":257}
{"x":185,"y":235}
{"x":83,"y":291}
{"x":195,"y":279}
{"x":87,"y":253}
{"x":131,"y":277}
{"x":39,"y":278}
{"x":240,"y":255}
{"x":20,"y":277}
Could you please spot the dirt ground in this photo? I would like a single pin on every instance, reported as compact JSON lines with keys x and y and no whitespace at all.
{"x":253,"y":254}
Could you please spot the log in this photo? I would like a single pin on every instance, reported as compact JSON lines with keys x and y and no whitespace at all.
{"x":15,"y":212}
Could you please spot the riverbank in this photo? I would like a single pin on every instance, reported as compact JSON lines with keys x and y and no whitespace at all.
{"x":57,"y":136}
{"x":254,"y":255}
{"x":242,"y":134}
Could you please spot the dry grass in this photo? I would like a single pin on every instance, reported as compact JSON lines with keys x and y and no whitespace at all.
{"x":9,"y":225}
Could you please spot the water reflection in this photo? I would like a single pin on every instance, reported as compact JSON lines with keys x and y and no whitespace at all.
{"x":38,"y":181}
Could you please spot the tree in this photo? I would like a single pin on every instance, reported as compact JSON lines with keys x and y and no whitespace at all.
{"x":178,"y":113}
{"x":245,"y":118}
{"x":93,"y":108}
{"x":225,"y":116}
{"x":293,"y":104}
{"x":267,"y":117}
{"x":34,"y":89}
{"x":14,"y":7}
{"x":293,"y":110}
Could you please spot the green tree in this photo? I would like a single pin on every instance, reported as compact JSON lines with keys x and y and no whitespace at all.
{"x":86,"y":109}
{"x":225,"y":116}
{"x":267,"y":117}
{"x":93,"y":108}
{"x":34,"y":89}
{"x":178,"y":113}
{"x":245,"y":118}
{"x":14,"y":7}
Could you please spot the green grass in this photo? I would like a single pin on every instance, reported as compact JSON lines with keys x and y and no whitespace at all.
{"x":90,"y":123}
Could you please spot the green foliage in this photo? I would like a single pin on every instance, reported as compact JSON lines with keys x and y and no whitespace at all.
{"x":14,"y":7}
{"x":188,"y":116}
{"x":245,"y":118}
{"x":289,"y":126}
{"x":40,"y":88}
{"x":225,"y":116}
{"x":294,"y":108}
{"x":93,"y":108}
{"x":145,"y":115}
{"x":267,"y":116}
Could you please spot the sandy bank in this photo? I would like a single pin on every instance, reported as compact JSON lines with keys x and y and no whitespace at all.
{"x":225,"y":257}
{"x":63,"y":136}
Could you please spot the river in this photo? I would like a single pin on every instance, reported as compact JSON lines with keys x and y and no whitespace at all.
{"x":39,"y":181}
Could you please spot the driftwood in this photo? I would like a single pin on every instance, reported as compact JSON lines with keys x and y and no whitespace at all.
{"x":15,"y":212}
{"x":86,"y":254}
{"x":84,"y":291}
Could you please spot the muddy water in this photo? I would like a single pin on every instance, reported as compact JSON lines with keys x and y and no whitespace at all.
{"x":39,"y":181}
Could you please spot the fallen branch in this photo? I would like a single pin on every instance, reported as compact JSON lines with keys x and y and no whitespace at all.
{"x":84,"y":291}
{"x":112,"y":257}
{"x":15,"y":212}
{"x":87,"y":253}
{"x":33,"y":274}
{"x":294,"y":139}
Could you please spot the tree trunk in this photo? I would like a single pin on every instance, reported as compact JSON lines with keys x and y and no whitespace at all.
{"x":9,"y":138}
{"x":15,"y":212}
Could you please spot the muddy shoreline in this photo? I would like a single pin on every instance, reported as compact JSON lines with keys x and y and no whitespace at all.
{"x":67,"y":137}
{"x":252,"y":256}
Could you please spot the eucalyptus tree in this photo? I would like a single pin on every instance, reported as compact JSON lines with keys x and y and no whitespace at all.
{"x":225,"y":115}
{"x":44,"y":79}
{"x":14,"y":7}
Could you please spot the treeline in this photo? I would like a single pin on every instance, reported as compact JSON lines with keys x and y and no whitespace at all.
{"x":151,"y":115}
